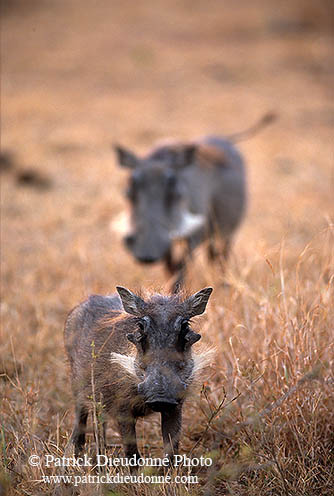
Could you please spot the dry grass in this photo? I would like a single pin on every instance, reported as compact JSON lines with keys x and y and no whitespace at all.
{"x":75,"y":78}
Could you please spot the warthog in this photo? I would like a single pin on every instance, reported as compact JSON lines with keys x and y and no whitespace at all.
{"x":192,"y":191}
{"x":135,"y":363}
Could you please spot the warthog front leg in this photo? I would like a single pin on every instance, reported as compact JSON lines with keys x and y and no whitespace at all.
{"x":127,"y":429}
{"x":171,"y":429}
{"x":224,"y":252}
{"x":226,"y":249}
{"x":79,"y":430}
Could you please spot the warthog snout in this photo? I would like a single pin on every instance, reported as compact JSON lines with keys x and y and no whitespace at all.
{"x":162,"y":387}
{"x":148,"y":248}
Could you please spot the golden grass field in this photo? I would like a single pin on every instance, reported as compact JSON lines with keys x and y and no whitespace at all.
{"x":78,"y":76}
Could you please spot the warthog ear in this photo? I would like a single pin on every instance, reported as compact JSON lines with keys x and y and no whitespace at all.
{"x":132,"y":303}
{"x":196,"y":304}
{"x":125,"y":157}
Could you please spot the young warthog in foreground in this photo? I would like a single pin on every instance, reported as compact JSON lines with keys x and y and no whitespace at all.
{"x":192,"y":191}
{"x":133,"y":365}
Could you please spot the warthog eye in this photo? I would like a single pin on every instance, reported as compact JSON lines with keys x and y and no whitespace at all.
{"x":131,"y":192}
{"x":173,"y":190}
{"x":134,"y":184}
{"x":171,"y":178}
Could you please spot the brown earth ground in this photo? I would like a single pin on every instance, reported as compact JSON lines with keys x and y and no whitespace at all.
{"x":79,"y":75}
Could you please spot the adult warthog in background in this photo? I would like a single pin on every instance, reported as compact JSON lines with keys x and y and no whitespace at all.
{"x":191,"y":191}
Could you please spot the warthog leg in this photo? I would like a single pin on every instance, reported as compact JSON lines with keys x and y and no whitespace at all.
{"x":127,"y":429}
{"x":171,"y":429}
{"x":226,"y":249}
{"x":79,"y":431}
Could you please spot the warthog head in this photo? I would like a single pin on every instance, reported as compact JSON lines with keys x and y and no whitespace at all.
{"x":159,"y":200}
{"x":164,"y":364}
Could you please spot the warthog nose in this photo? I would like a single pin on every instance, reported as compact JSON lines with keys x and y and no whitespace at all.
{"x":161,"y":405}
{"x":129,"y":240}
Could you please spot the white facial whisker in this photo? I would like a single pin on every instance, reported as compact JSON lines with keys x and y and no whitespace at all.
{"x":121,"y":223}
{"x":189,"y":224}
{"x":127,"y":362}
